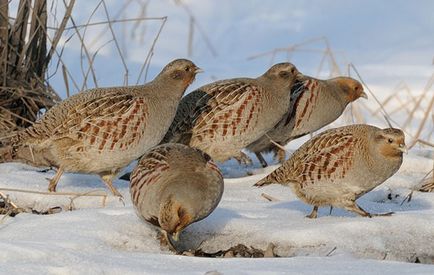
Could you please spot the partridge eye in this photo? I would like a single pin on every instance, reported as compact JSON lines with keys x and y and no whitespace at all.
{"x":284,"y":74}
{"x":390,"y":140}
{"x":293,"y":71}
{"x":187,"y":69}
{"x":356,"y":88}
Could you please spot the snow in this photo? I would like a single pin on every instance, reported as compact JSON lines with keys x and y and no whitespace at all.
{"x":107,"y":237}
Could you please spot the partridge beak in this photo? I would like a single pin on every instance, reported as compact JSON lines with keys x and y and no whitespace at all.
{"x":403,"y":148}
{"x":175,"y":236}
{"x":198,"y":70}
{"x":299,"y":76}
{"x":364,"y":95}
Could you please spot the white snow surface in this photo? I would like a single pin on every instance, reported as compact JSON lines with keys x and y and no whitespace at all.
{"x":108,"y":238}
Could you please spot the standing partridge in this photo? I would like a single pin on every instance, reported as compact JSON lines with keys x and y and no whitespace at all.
{"x":174,"y":186}
{"x":99,"y":131}
{"x":314,"y":104}
{"x":223,"y":117}
{"x":340,"y":165}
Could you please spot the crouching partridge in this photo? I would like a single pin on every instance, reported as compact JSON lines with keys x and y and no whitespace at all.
{"x":174,"y":186}
{"x":100,"y":131}
{"x":340,"y":165}
{"x":223,"y":117}
{"x":314,"y":104}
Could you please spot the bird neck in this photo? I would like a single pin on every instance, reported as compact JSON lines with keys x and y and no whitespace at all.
{"x":166,"y":87}
{"x":338,"y":95}
{"x":383,"y":163}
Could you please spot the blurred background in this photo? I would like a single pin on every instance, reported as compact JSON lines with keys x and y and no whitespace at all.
{"x":390,"y":44}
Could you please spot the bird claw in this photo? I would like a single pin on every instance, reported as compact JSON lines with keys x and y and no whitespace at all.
{"x":121,"y":199}
{"x":167,"y":241}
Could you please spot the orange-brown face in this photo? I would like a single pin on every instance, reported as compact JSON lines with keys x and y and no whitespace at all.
{"x":391,"y":142}
{"x":182,"y":70}
{"x":184,"y":220}
{"x":353,"y":88}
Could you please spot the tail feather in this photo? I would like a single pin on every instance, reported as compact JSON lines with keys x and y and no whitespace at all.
{"x":279,"y":176}
{"x":266,"y":181}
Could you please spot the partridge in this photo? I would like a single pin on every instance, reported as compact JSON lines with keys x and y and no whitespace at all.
{"x":314,"y":104}
{"x":99,"y":131}
{"x":223,"y":117}
{"x":340,"y":165}
{"x":174,"y":186}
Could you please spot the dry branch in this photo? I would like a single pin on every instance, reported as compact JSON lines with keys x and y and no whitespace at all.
{"x":23,"y":91}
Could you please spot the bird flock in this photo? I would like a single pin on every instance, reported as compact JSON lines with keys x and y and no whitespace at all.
{"x":178,"y":140}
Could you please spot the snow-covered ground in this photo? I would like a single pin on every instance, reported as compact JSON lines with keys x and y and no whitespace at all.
{"x":106,"y":237}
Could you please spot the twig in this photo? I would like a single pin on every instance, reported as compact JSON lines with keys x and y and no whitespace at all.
{"x":65,"y":79}
{"x":268,"y":197}
{"x":199,"y":27}
{"x":59,"y":31}
{"x":85,"y":194}
{"x":422,"y":124}
{"x":116,"y":42}
{"x":410,"y":195}
{"x":151,"y":52}
{"x":331,"y":251}
{"x":8,"y":201}
{"x":83,"y":47}
{"x":276,"y":144}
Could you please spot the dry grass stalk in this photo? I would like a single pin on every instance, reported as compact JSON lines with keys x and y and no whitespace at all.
{"x":8,"y":208}
{"x":422,"y":124}
{"x":93,"y":193}
{"x":24,"y":61}
{"x":194,"y":24}
{"x":426,"y":183}
{"x":116,"y":43}
{"x":148,"y":58}
{"x":268,"y":197}
{"x":72,"y":195}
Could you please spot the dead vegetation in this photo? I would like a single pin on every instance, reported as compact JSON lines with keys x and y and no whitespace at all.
{"x":23,"y":64}
{"x":238,"y":251}
{"x":11,"y":209}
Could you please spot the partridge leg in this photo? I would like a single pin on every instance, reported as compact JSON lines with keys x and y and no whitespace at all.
{"x":331,"y":210}
{"x":166,"y":241}
{"x":261,"y":159}
{"x":53,"y":182}
{"x":353,"y":207}
{"x":314,"y":213}
{"x":108,"y":180}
